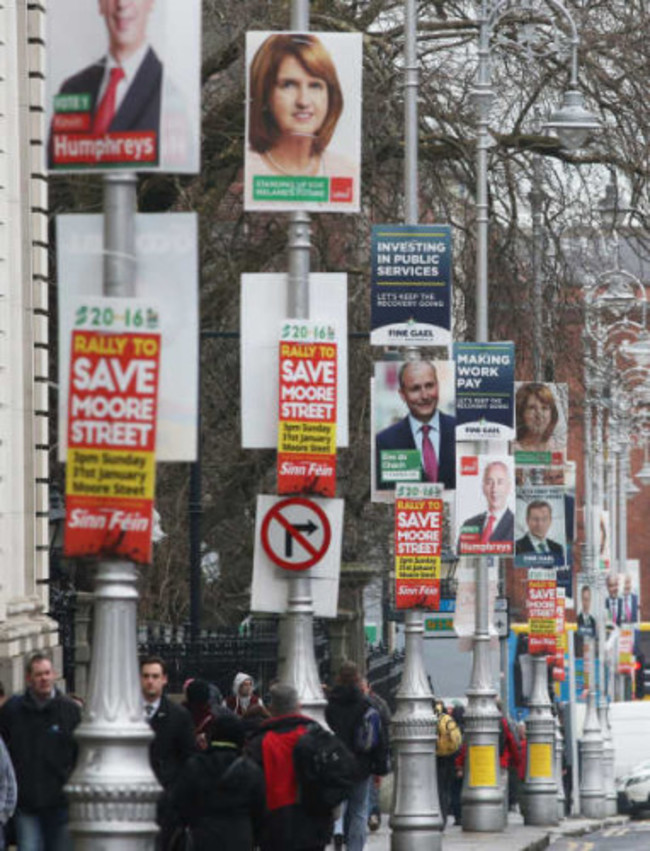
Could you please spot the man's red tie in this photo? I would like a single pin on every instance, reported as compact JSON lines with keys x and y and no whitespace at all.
{"x":487,"y":531}
{"x":106,"y":109}
{"x":429,"y":457}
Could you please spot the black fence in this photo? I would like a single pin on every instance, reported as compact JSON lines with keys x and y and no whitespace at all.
{"x":217,"y":655}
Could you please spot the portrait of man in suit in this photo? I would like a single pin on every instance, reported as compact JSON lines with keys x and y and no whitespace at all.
{"x":613,"y":607}
{"x":121,"y":93}
{"x":425,"y":428}
{"x":541,"y":551}
{"x":629,"y":602}
{"x":586,"y":621}
{"x":495,"y":525}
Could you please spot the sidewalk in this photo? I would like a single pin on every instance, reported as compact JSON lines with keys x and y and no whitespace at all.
{"x":516,"y":837}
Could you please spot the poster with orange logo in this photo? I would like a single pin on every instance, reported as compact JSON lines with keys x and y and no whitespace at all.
{"x":112,"y":407}
{"x":307,"y":408}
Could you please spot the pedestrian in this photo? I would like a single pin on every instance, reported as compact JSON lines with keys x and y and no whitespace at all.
{"x":346,"y":713}
{"x":8,"y":791}
{"x":288,"y":826}
{"x":243,"y":694}
{"x":253,"y":719}
{"x":509,"y":760}
{"x":458,"y":714}
{"x":220,"y":793}
{"x":382,"y":763}
{"x":197,"y":703}
{"x":37,"y":727}
{"x":449,"y":741}
{"x":173,"y":742}
{"x":523,"y":760}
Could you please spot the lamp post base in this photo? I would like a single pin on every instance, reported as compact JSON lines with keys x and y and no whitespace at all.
{"x":113,"y":791}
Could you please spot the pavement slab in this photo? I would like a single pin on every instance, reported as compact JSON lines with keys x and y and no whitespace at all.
{"x":516,"y":837}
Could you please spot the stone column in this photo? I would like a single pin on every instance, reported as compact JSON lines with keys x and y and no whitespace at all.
{"x":24,"y":420}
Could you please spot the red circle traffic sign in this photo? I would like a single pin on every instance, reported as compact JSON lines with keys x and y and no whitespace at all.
{"x":296,"y":529}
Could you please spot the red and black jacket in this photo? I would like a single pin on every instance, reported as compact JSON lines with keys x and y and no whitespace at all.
{"x":288,"y":827}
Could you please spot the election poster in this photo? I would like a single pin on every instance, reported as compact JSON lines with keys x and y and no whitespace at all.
{"x":485,"y":376}
{"x":410,"y":296}
{"x":542,"y":612}
{"x":303,"y":121}
{"x":111,"y":464}
{"x":626,"y":658}
{"x":485,"y":504}
{"x":123,"y":87}
{"x":562,"y":478}
{"x":166,"y":252}
{"x":418,"y":546}
{"x":541,"y":422}
{"x":540,"y":527}
{"x":559,"y":673}
{"x":307,"y":408}
{"x":414,"y":423}
{"x":264,"y":299}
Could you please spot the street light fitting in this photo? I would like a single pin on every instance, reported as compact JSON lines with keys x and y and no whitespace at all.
{"x":572,"y":122}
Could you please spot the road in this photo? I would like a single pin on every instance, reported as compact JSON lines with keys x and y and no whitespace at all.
{"x":634,"y":836}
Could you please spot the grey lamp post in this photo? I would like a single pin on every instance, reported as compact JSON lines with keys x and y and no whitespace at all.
{"x":483,"y":808}
{"x":299,"y":667}
{"x":611,"y":304}
{"x":415,"y":818}
{"x":113,"y":790}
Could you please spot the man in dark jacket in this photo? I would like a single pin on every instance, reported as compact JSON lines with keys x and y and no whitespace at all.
{"x":220,"y":793}
{"x":288,"y":827}
{"x":173,"y":743}
{"x":37,"y":727}
{"x":346,"y":707}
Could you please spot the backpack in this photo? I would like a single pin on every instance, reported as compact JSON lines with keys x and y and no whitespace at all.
{"x":367,"y":734}
{"x":450,"y":737}
{"x":325,"y":770}
{"x":380,"y":759}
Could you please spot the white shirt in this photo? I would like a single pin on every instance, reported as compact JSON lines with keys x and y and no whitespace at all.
{"x":130,"y":66}
{"x":497,"y":517}
{"x":155,"y":706}
{"x":434,"y":434}
{"x":538,"y":542}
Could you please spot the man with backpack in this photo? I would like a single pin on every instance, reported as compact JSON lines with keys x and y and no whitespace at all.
{"x":355,"y":720}
{"x":307,"y":772}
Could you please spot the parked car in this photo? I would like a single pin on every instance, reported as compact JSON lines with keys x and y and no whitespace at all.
{"x":633,"y":789}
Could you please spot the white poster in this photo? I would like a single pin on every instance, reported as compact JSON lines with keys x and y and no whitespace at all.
{"x":413,"y":413}
{"x":166,"y":247}
{"x":303,"y":121}
{"x":541,"y":423}
{"x":263,"y":308}
{"x":485,"y":504}
{"x":123,"y":85}
{"x":270,"y":588}
{"x":465,"y":612}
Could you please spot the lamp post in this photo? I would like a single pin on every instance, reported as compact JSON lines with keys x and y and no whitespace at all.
{"x":615,"y":306}
{"x":299,"y":667}
{"x":483,"y":808}
{"x":415,"y":820}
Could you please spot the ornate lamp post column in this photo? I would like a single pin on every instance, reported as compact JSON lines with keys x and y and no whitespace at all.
{"x":540,"y":787}
{"x":482,"y":797}
{"x":415,"y":818}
